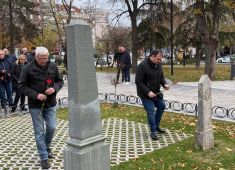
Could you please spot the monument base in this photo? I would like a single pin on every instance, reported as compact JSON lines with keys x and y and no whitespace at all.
{"x":204,"y":139}
{"x":94,"y":158}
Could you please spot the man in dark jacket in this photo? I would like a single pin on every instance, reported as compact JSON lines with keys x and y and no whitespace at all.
{"x":10,"y":57}
{"x":31,"y":55}
{"x":5,"y":80}
{"x":125,"y":64}
{"x":117,"y":59}
{"x":40,"y":80}
{"x":149,"y":78}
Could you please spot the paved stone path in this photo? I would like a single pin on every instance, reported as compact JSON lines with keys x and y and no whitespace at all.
{"x":223,"y":92}
{"x":127,"y":139}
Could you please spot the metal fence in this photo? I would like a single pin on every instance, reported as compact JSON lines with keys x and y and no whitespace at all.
{"x":175,"y":106}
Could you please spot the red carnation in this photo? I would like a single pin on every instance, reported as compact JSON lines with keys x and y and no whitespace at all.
{"x":49,"y":81}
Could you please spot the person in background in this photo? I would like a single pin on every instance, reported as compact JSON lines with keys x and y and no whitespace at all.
{"x":41,"y":80}
{"x":149,"y":78}
{"x":9,"y":57}
{"x":30,"y":56}
{"x":24,"y":51}
{"x":16,"y":71}
{"x":5,"y":80}
{"x":125,"y":64}
{"x":117,"y":59}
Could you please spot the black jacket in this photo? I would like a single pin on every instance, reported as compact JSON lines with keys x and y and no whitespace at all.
{"x":149,"y":77}
{"x":125,"y":60}
{"x":33,"y":80}
{"x":5,"y":64}
{"x":15,"y":73}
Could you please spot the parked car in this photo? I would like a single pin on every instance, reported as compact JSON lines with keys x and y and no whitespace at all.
{"x":225,"y":59}
{"x":102,"y":61}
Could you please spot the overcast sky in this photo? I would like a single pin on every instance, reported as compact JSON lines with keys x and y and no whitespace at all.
{"x":106,"y":6}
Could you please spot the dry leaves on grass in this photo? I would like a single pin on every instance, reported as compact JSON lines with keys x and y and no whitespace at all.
{"x":228,"y":149}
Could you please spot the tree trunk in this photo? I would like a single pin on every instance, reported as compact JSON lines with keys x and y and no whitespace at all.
{"x":209,"y":34}
{"x":134,"y":43}
{"x":210,"y":52}
{"x":11,"y":27}
{"x":198,"y":56}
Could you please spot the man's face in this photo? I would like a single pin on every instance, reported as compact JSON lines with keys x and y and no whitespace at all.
{"x":157,"y":59}
{"x":121,"y":49}
{"x":2,"y":54}
{"x":42,"y":59}
{"x":6,"y":51}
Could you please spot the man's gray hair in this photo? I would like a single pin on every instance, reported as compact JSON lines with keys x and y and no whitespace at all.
{"x":41,"y":51}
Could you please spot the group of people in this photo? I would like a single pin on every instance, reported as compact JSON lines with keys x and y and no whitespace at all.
{"x":34,"y":76}
{"x":10,"y":70}
{"x":40,"y":80}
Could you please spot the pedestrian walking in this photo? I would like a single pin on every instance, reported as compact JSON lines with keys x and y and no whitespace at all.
{"x":16,"y":71}
{"x":40,"y":80}
{"x":125,"y":64}
{"x":117,"y":59}
{"x":149,"y":78}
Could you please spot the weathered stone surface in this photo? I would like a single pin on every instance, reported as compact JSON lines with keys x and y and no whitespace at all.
{"x":86,"y":147}
{"x":204,"y":131}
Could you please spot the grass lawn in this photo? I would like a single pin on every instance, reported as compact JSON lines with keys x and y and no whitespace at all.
{"x":181,"y":155}
{"x":188,"y":73}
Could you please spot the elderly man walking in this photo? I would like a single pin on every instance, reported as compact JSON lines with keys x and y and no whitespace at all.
{"x":40,"y":80}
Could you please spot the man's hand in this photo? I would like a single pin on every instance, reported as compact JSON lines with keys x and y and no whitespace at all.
{"x":151,"y":94}
{"x":166,"y":87}
{"x":41,"y":97}
{"x":4,"y":71}
{"x":50,"y":91}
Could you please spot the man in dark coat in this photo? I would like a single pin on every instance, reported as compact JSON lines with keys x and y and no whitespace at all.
{"x":5,"y":80}
{"x":117,"y":59}
{"x":11,"y":58}
{"x":125,"y":64}
{"x":40,"y":80}
{"x":149,"y":78}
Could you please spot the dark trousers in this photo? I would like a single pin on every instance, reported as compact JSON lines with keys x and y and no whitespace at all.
{"x":21,"y":97}
{"x":154,"y":116}
{"x":6,"y":88}
{"x":126,"y":72}
{"x":119,"y":70}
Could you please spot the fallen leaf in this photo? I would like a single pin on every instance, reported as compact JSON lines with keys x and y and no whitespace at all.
{"x":221,"y":169}
{"x":228,"y":149}
{"x":189,"y":151}
{"x":192,"y":124}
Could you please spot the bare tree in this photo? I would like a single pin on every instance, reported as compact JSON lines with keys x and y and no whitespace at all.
{"x":134,"y":8}
{"x":114,"y":37}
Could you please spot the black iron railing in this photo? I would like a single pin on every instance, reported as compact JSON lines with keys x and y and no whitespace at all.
{"x":176,"y":106}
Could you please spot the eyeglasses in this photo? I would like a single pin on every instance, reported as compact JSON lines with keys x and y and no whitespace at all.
{"x":43,"y":59}
{"x":22,"y":59}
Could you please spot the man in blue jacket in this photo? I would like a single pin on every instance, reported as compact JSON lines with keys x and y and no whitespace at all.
{"x":149,"y":78}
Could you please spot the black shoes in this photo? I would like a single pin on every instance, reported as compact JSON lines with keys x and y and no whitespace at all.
{"x":13,"y":110}
{"x":24,"y":109}
{"x":50,"y":155}
{"x":45,"y":164}
{"x":154,"y":136}
{"x":160,"y":130}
